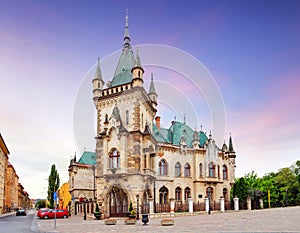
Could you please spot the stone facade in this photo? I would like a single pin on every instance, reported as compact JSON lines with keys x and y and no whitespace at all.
{"x":81,"y":180}
{"x":3,"y":164}
{"x":137,"y":160}
{"x":11,"y":188}
{"x":23,"y":198}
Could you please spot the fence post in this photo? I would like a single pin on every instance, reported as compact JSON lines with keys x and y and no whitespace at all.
{"x":206,"y":204}
{"x":151,"y":207}
{"x":222,"y":204}
{"x":236,"y":203}
{"x":172,"y":206}
{"x":249,"y":203}
{"x":191,"y":210}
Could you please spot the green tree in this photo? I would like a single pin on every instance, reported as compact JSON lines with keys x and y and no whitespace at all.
{"x":240,"y":189}
{"x":40,"y":204}
{"x":287,"y":184}
{"x":53,"y":184}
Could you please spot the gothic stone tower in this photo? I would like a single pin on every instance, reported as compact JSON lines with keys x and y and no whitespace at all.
{"x":125,"y":148}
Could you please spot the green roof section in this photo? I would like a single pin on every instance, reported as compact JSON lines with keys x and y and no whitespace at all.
{"x":88,"y":158}
{"x":123,"y":71}
{"x":176,"y":131}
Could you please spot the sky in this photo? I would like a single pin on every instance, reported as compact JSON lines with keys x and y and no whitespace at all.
{"x":48,"y":52}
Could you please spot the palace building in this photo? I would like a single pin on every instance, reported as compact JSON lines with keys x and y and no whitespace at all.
{"x":139,"y":161}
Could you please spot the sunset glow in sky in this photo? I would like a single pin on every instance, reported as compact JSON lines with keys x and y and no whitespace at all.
{"x":251,"y":48}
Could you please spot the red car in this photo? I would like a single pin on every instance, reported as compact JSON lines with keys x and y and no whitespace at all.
{"x":50,"y":213}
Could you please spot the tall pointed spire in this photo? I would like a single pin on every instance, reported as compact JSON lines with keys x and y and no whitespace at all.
{"x":137,"y":58}
{"x":98,"y":74}
{"x":152,"y":87}
{"x":230,"y":147}
{"x":126,"y":33}
{"x":126,"y":62}
{"x":98,"y":82}
{"x":152,"y":93}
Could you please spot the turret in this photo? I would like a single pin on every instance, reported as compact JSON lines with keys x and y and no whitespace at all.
{"x":137,"y":71}
{"x":98,"y":82}
{"x":152,"y":93}
{"x":231,"y":152}
{"x":196,"y":140}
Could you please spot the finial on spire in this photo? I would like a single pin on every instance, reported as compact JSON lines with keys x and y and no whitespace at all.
{"x":126,"y":18}
{"x":126,"y":33}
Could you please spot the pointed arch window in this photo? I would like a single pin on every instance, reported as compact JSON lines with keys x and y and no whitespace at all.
{"x":163,"y":195}
{"x":225,"y":194}
{"x":178,"y":194}
{"x":127,"y":117}
{"x":200,"y":169}
{"x":187,"y":193}
{"x":177,"y":169}
{"x":224,"y":170}
{"x":114,"y":159}
{"x":187,"y":170}
{"x":163,"y":168}
{"x":209,"y":193}
{"x":212,"y":170}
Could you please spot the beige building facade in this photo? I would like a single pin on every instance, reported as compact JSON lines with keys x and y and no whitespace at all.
{"x":4,"y":152}
{"x":81,"y":181}
{"x":11,"y":190}
{"x":139,"y":161}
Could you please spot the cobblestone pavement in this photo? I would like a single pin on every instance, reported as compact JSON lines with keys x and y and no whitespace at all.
{"x":267,"y":220}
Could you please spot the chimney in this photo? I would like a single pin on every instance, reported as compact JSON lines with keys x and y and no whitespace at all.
{"x":157,"y":119}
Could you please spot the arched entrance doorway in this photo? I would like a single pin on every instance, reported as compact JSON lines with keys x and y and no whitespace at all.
{"x":118,"y":202}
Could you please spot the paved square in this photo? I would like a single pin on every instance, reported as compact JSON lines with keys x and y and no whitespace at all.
{"x":267,"y":220}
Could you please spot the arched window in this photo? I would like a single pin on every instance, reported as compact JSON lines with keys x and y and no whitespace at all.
{"x":187,"y":193}
{"x":209,"y":193}
{"x":178,"y":194}
{"x":200,"y":169}
{"x":212,"y":170}
{"x":225,"y":175}
{"x":163,"y":168}
{"x":127,"y":117}
{"x":225,"y":194}
{"x":163,"y":195}
{"x":187,"y":170}
{"x":114,"y":159}
{"x":177,"y":169}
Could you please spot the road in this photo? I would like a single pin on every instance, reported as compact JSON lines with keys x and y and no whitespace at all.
{"x":13,"y":223}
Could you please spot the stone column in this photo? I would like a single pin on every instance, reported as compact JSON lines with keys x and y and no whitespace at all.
{"x":236,"y":203}
{"x":206,"y":204}
{"x":172,"y":201}
{"x":191,"y":210}
{"x":151,"y":207}
{"x":222,"y":204}
{"x":249,"y":203}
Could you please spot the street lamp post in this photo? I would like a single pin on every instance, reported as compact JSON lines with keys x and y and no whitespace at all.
{"x":209,"y":194}
{"x":137,"y":207}
{"x":84,"y":208}
{"x":286,"y":197}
